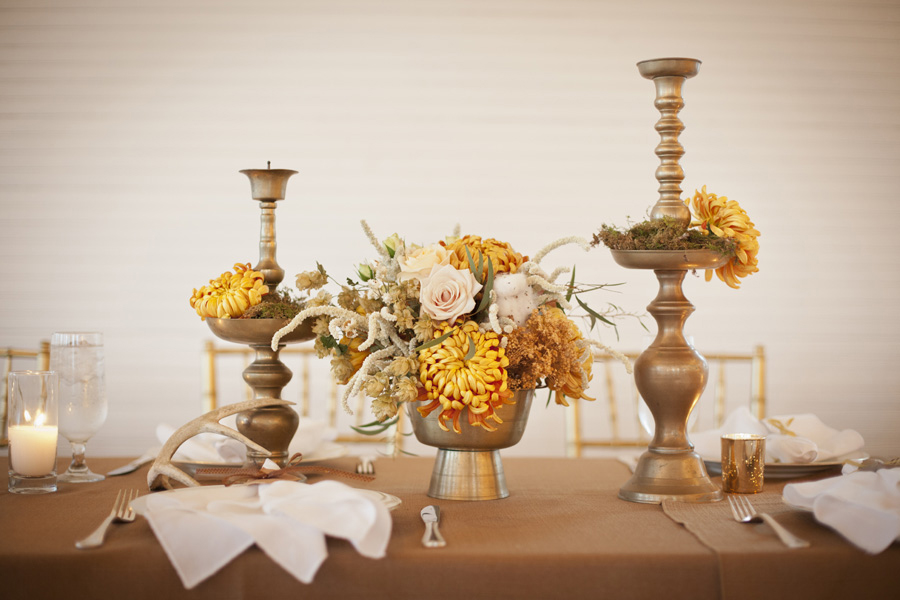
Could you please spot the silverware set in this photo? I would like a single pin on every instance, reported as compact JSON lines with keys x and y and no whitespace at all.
{"x":744,"y":512}
{"x":121,"y":512}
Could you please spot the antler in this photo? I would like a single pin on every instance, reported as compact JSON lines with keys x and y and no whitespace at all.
{"x":163,"y":469}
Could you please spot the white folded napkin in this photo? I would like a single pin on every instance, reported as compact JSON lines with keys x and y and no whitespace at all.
{"x":311,"y":435}
{"x":202,"y":529}
{"x":794,"y":439}
{"x":864,"y":506}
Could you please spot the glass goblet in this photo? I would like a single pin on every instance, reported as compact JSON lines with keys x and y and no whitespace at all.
{"x":78,"y":358}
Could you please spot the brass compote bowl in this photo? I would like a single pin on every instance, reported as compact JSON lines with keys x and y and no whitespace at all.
{"x":468,"y":465}
{"x":670,"y":374}
{"x":272,"y":427}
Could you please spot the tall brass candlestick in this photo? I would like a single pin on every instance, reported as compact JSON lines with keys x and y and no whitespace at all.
{"x":273,"y":427}
{"x":670,"y":374}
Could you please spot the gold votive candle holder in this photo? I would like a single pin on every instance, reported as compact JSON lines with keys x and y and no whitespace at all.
{"x":743,"y":463}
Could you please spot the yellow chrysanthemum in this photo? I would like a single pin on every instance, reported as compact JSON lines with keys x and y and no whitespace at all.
{"x":725,"y":218}
{"x":454,"y":383}
{"x":231,"y":294}
{"x":504,"y":258}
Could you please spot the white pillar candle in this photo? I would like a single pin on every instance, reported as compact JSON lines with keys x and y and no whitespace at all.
{"x":32,"y":449}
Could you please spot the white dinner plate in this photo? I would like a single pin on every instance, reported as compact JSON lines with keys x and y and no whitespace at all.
{"x":794,"y":470}
{"x":325,"y":451}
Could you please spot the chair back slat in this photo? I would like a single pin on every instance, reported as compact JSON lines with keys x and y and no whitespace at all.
{"x":736,"y":377}
{"x":34,"y":359}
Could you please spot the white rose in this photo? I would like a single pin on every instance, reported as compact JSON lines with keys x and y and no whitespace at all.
{"x":418,"y":262}
{"x":448,"y":293}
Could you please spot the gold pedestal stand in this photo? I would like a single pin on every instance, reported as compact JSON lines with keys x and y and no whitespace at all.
{"x":272,"y":427}
{"x":467,"y":465}
{"x":670,"y":374}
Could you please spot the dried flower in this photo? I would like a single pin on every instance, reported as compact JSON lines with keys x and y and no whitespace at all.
{"x":230,"y":294}
{"x":406,"y":390}
{"x":342,"y":369}
{"x":311,"y":280}
{"x":375,"y":385}
{"x":549,"y":347}
{"x":384,"y":407}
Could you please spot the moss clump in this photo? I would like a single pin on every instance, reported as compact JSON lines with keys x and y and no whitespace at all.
{"x":279,"y":304}
{"x":661,"y":234}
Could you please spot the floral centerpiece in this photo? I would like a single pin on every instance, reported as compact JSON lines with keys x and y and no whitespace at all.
{"x":456,"y":326}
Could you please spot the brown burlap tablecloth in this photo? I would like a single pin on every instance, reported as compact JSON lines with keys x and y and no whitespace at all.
{"x":562,"y":533}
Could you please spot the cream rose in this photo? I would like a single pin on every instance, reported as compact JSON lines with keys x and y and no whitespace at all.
{"x":448,"y":293}
{"x":418,"y":261}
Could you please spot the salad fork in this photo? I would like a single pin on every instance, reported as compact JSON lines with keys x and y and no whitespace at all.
{"x":366,"y":465}
{"x":744,"y":512}
{"x":121,"y":511}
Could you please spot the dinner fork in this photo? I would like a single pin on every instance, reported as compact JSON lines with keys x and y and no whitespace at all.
{"x":121,"y":511}
{"x":366,"y":465}
{"x":744,"y":512}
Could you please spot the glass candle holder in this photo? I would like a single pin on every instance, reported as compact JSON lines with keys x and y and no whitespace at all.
{"x":743,"y":463}
{"x":33,"y":431}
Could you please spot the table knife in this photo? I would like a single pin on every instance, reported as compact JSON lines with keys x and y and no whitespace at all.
{"x":431,"y":514}
{"x":136,"y":464}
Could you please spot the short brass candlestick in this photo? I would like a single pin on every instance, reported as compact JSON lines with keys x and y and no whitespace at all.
{"x":272,"y":427}
{"x":670,"y":374}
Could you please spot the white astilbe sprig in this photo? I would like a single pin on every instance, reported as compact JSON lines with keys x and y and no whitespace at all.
{"x":387,"y":316}
{"x":557,"y":272}
{"x":572,"y":239}
{"x":374,"y":332}
{"x":354,"y":386}
{"x":615,"y":354}
{"x":316,"y":311}
{"x":493,"y":311}
{"x":544,"y":284}
{"x":374,"y":241}
{"x":334,"y":328}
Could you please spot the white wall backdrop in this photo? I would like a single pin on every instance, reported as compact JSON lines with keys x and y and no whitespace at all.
{"x":123,"y":125}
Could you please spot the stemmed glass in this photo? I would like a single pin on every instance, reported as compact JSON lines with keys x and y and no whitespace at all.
{"x":78,"y":358}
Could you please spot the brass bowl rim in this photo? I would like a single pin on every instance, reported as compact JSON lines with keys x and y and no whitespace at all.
{"x":473,"y":438}
{"x":674,"y":260}
{"x":258,"y":331}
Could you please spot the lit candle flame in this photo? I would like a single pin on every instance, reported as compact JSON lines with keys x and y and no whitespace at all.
{"x":40,"y":419}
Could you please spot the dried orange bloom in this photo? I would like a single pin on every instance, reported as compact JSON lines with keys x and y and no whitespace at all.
{"x":726,"y":219}
{"x":465,"y":372}
{"x":231,"y":294}
{"x":550,"y":347}
{"x":504,"y":258}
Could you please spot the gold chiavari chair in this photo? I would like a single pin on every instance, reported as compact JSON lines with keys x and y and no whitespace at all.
{"x":303,"y":362}
{"x":38,"y":359}
{"x":734,"y":378}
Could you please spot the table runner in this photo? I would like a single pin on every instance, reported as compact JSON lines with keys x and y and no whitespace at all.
{"x":750,"y":555}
